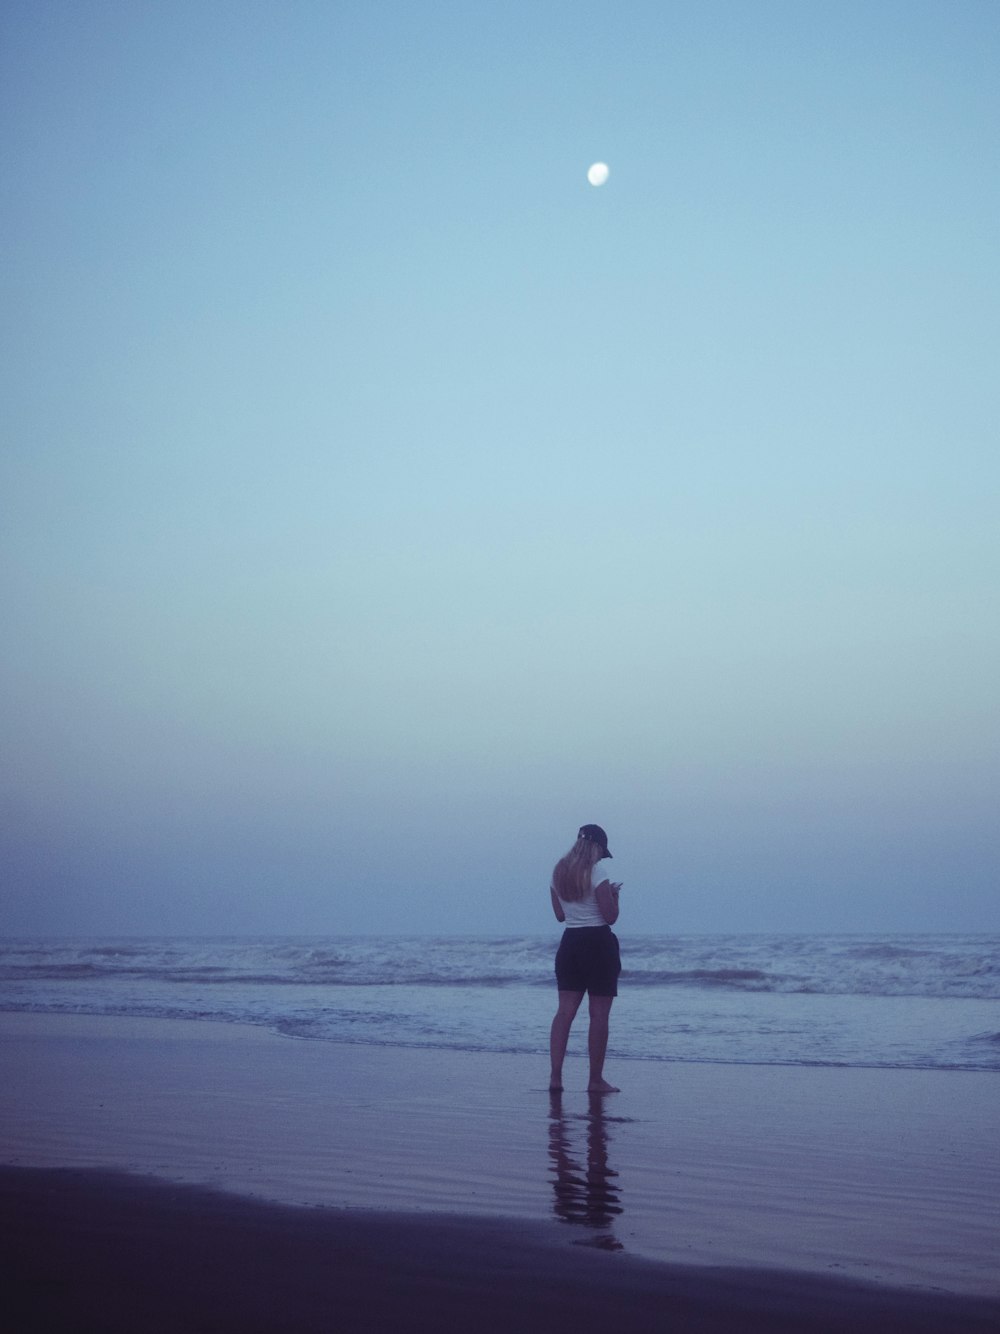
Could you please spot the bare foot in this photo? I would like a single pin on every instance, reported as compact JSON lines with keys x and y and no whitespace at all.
{"x":601,"y":1086}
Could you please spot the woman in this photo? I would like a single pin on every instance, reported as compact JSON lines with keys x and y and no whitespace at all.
{"x":587,"y":959}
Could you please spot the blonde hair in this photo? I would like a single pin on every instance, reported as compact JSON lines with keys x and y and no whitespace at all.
{"x":571,"y":876}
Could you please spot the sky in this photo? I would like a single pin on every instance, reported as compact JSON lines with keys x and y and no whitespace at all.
{"x":380,"y":501}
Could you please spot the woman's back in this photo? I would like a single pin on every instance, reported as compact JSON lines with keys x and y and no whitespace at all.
{"x":585,"y":911}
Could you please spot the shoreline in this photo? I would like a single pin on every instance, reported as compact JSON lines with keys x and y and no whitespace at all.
{"x":108,"y":1252}
{"x":884,"y":1176}
{"x":10,"y":1018}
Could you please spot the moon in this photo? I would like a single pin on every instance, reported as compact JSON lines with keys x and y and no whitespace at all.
{"x":598,"y":173}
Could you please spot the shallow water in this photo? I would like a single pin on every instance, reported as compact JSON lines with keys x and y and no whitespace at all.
{"x":897,"y":1001}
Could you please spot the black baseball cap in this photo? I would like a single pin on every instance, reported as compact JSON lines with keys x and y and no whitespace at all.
{"x":593,"y":833}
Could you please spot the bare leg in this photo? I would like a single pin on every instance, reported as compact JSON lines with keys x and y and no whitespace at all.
{"x":600,"y":1012}
{"x":569,"y":1003}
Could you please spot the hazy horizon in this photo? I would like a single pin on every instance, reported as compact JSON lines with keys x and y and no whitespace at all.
{"x":381,"y":501}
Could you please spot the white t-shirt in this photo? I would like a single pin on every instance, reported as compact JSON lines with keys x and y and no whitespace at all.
{"x":585,"y":912}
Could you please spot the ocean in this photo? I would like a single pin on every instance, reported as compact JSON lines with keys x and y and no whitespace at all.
{"x":908,"y":1001}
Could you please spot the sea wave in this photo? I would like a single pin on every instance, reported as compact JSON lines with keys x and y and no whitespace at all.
{"x":941,"y":967}
{"x":902,"y":1001}
{"x":751,"y":978}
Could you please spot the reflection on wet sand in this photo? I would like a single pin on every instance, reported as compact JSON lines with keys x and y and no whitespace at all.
{"x":585,"y":1196}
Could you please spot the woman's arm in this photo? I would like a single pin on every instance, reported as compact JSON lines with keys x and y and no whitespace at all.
{"x":607,"y":901}
{"x":557,"y":907}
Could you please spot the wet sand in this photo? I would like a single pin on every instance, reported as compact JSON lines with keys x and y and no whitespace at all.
{"x":437,"y":1186}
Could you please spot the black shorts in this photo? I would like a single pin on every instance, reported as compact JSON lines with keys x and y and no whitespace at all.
{"x":588,"y":959}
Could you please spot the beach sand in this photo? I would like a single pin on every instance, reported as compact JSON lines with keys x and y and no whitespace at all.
{"x":440,"y":1190}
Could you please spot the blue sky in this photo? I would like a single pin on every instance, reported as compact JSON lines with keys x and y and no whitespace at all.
{"x":380,"y":501}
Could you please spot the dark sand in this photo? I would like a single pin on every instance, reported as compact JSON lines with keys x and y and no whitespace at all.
{"x":99,"y":1253}
{"x":206,"y":1177}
